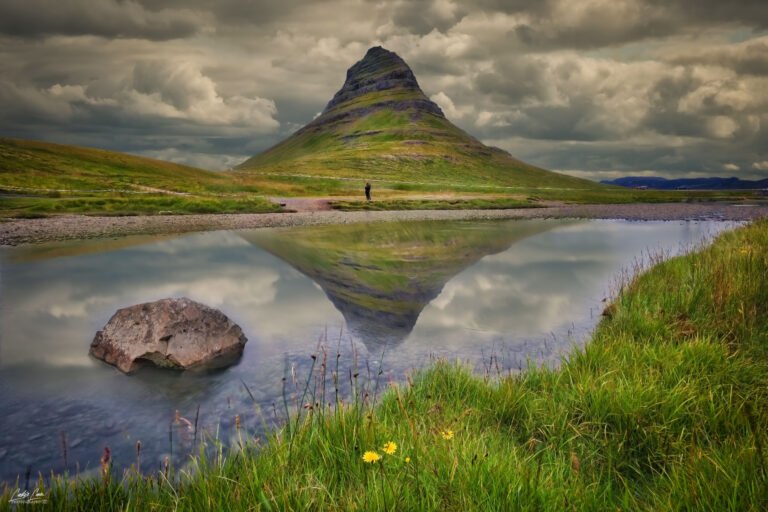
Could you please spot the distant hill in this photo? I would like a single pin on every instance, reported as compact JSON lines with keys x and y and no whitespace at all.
{"x":380,"y":125}
{"x":32,"y":165}
{"x":41,"y":178}
{"x":658,"y":183}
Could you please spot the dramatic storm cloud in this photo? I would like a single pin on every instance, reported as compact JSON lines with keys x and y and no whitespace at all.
{"x":597,"y":88}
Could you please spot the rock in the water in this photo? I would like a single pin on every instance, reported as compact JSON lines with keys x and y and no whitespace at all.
{"x":171,"y":333}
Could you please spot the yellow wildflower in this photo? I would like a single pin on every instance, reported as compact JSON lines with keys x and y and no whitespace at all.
{"x":371,"y":457}
{"x":407,"y":460}
{"x":390,"y":448}
{"x":447,"y":434}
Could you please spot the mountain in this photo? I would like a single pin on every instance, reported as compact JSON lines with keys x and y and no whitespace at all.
{"x":380,"y":125}
{"x":659,"y":183}
{"x":381,"y":276}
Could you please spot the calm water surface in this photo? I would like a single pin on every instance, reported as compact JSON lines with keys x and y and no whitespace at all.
{"x":389,"y":296}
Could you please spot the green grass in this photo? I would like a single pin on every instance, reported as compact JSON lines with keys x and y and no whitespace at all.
{"x":433,"y":204}
{"x":298,"y":185}
{"x":619,"y":195}
{"x":664,"y":409}
{"x":32,"y":165}
{"x":56,"y":179}
{"x":116,"y":205}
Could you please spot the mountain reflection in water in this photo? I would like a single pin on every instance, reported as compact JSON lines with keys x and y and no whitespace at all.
{"x":380,"y":277}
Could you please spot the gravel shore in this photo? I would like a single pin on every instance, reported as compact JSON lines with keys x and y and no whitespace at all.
{"x":73,"y":227}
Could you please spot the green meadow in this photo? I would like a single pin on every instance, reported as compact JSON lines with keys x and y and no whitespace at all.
{"x":38,"y":179}
{"x":663,"y":409}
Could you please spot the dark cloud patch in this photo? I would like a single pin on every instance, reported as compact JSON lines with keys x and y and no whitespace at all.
{"x":592,"y":29}
{"x":655,"y":156}
{"x":561,"y":24}
{"x":514,"y":80}
{"x":248,"y":12}
{"x":664,"y":115}
{"x":253,"y":11}
{"x":572,"y":122}
{"x":750,"y":13}
{"x":749,"y":58}
{"x":676,"y":123}
{"x":423,"y":16}
{"x":105,"y":18}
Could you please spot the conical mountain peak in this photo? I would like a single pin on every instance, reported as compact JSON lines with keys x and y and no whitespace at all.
{"x":380,"y":125}
{"x":380,"y":75}
{"x":379,"y":70}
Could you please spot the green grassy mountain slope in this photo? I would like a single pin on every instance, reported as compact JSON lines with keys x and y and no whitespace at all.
{"x":40,"y":178}
{"x":31,"y":165}
{"x":380,"y":125}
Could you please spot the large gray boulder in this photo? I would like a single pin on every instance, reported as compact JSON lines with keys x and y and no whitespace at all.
{"x":171,"y":333}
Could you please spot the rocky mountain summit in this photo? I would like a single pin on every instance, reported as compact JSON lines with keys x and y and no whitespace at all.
{"x":381,"y":70}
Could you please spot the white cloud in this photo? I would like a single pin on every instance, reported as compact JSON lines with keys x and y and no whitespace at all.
{"x":177,"y":91}
{"x":444,"y":9}
{"x":731,"y":167}
{"x":213,"y":162}
{"x":722,"y":127}
{"x":760,"y":166}
{"x":449,"y":108}
{"x":153,"y":90}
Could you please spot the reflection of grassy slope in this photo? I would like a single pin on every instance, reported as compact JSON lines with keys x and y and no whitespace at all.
{"x":75,"y":248}
{"x":389,"y":271}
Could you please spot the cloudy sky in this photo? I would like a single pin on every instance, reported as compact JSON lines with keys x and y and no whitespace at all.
{"x":597,"y":88}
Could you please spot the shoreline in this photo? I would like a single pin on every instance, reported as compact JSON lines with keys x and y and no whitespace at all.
{"x":16,"y":232}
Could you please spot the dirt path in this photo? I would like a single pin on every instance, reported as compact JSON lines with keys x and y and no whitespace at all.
{"x":73,"y":227}
{"x":319,"y":204}
{"x":304,"y":204}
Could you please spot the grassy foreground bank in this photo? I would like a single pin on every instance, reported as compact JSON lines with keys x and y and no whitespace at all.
{"x":124,"y":205}
{"x":665,"y":409}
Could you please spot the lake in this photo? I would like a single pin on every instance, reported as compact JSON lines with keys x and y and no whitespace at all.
{"x":387,"y":298}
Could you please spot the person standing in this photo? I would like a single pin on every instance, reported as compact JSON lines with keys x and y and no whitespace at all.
{"x":368,"y":190}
